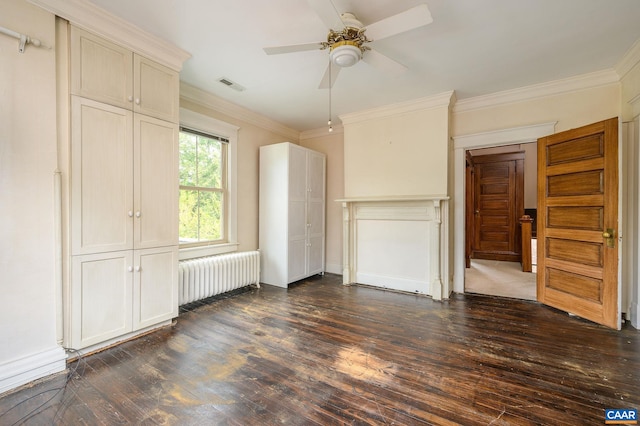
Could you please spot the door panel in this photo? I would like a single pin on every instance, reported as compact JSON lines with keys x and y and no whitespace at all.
{"x":155,"y":290}
{"x":155,"y":182}
{"x":101,"y":176}
{"x":499,"y":203}
{"x":577,"y":204}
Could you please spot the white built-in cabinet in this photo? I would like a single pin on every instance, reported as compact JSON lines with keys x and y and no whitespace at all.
{"x":292,"y":213}
{"x":123,"y":188}
{"x":114,"y":75}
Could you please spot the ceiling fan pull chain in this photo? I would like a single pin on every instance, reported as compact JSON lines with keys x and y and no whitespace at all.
{"x":329,"y":122}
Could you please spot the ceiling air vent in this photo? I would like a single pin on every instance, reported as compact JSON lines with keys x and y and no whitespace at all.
{"x":231,"y":84}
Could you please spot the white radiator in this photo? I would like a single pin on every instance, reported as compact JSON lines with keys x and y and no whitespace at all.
{"x":209,"y":276}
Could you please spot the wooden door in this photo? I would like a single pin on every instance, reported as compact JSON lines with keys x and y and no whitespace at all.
{"x":499,"y":203}
{"x":469,"y":209}
{"x":578,"y":222}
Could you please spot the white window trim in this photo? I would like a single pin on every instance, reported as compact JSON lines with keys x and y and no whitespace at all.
{"x":210,"y":125}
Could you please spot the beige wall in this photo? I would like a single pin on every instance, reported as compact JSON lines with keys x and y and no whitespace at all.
{"x":250,"y":138}
{"x":332,"y":145}
{"x":403,"y":154}
{"x":27,"y":165}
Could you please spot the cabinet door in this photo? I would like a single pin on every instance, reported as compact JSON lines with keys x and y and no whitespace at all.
{"x":156,"y":90}
{"x":155,"y":182}
{"x":297,"y":264}
{"x":316,"y":176}
{"x":155,"y":288}
{"x":101,"y":178}
{"x":101,"y":70}
{"x":315,"y":255}
{"x":101,"y":297}
{"x":316,"y":212}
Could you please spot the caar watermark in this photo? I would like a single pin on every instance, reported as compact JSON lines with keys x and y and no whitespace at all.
{"x":628,"y":416}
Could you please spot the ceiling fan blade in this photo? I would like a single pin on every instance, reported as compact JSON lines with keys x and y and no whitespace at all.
{"x":292,"y":48}
{"x":404,"y":21}
{"x":331,"y":71}
{"x":327,"y":13}
{"x":382,"y":62}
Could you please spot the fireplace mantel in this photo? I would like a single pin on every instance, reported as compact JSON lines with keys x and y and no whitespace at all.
{"x":396,"y":242}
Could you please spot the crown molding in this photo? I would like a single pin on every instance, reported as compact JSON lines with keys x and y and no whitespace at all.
{"x":90,"y":17}
{"x":510,"y":136}
{"x":629,"y":60}
{"x":321,"y":132}
{"x":209,"y":100}
{"x":437,"y":101}
{"x":536,"y":91}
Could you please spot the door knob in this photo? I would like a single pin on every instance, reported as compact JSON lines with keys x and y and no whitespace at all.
{"x":609,"y":236}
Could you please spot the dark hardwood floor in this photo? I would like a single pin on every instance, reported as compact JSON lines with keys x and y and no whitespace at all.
{"x":321,"y":353}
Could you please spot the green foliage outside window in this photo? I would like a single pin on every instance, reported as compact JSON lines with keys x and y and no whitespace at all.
{"x":202,"y":162}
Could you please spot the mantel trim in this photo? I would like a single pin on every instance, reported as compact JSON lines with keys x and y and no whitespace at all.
{"x":392,"y":198}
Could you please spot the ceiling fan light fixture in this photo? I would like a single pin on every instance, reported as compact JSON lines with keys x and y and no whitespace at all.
{"x":345,"y":53}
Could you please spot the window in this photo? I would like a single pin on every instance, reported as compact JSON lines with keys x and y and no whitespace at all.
{"x":203,"y":188}
{"x":209,"y":127}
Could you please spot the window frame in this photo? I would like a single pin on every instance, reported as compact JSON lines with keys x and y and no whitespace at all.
{"x":201,"y":123}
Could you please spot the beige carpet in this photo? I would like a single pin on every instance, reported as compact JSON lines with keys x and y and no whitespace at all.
{"x":504,"y":279}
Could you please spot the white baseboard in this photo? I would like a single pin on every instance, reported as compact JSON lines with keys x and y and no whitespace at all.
{"x":394,"y":283}
{"x":333,"y":268}
{"x":27,"y":369}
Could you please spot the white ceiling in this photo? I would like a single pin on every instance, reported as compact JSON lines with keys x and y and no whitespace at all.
{"x":474,"y":47}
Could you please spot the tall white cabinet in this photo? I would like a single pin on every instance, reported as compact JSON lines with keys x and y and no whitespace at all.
{"x":123,"y":192}
{"x":292,"y":213}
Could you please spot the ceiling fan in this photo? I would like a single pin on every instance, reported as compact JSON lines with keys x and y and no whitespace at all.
{"x":348,"y":39}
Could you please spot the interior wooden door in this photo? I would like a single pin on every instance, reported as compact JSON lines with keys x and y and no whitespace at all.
{"x":499,"y":203}
{"x":469,"y":209}
{"x":578,"y":222}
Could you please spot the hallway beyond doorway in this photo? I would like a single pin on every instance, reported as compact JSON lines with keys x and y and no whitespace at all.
{"x":497,"y":278}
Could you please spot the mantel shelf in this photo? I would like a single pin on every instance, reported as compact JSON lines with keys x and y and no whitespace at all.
{"x":393,"y":198}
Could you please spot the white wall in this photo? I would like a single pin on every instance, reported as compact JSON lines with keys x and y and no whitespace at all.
{"x":27,"y":165}
{"x":631,"y":154}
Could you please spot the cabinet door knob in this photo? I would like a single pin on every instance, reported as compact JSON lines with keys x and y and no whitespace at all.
{"x":138,"y":214}
{"x":137,"y":101}
{"x":130,"y":213}
{"x":130,"y":98}
{"x":130,"y":269}
{"x":138,"y":268}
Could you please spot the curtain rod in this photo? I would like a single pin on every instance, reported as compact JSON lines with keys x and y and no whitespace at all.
{"x":24,"y":39}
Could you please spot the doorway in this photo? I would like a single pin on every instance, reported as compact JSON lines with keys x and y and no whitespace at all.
{"x":496,"y":197}
{"x":502,"y":137}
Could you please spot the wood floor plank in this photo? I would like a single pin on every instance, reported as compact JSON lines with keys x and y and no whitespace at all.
{"x":321,"y":353}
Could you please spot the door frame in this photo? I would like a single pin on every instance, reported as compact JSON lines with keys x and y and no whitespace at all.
{"x":508,"y":136}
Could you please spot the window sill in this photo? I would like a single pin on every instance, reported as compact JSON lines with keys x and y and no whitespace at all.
{"x":202,"y":251}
